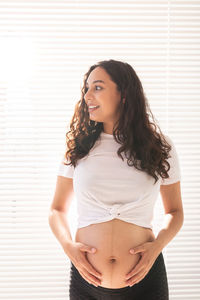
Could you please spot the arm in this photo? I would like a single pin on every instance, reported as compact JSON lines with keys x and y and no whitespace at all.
{"x":171,"y":197}
{"x":60,"y":227}
{"x":174,"y":215}
{"x":59,"y":210}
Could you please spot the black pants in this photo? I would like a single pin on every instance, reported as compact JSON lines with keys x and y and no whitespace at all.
{"x":154,"y":286}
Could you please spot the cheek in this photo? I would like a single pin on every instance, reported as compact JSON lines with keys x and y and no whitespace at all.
{"x":114,"y":107}
{"x":109,"y":112}
{"x":109,"y":104}
{"x":108,"y":109}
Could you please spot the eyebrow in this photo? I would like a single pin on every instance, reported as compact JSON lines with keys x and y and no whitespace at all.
{"x":96,"y":81}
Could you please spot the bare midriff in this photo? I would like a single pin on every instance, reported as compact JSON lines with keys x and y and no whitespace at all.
{"x":113,"y":240}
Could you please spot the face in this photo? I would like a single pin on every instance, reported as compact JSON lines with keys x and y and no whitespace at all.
{"x":105,"y":95}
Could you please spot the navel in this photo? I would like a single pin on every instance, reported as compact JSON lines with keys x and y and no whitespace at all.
{"x":112,"y":259}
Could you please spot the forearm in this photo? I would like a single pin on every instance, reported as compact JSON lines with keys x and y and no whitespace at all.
{"x":171,"y":225}
{"x":60,"y":227}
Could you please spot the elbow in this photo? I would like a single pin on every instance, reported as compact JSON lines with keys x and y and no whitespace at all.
{"x":50,"y":215}
{"x":181,"y":217}
{"x":179,"y":214}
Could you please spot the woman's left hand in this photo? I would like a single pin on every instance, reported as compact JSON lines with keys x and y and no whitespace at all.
{"x":149,"y":252}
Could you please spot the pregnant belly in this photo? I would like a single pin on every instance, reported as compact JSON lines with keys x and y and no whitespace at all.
{"x":113,"y":240}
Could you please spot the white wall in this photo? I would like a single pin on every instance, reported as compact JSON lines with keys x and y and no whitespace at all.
{"x":45,"y":48}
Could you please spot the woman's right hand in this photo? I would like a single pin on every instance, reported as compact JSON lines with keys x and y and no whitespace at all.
{"x":76,"y":253}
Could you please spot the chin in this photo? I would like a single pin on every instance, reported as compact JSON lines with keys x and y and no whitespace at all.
{"x":95,"y":120}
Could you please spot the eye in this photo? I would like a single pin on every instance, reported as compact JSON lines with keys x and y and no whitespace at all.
{"x":86,"y":88}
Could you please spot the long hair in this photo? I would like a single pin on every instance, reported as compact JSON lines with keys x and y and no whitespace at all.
{"x":144,"y":147}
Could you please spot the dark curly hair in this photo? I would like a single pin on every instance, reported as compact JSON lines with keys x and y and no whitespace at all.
{"x":143,"y":146}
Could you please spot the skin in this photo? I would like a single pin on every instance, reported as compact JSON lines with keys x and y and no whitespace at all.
{"x":144,"y":242}
{"x":106,"y":95}
{"x":114,"y":240}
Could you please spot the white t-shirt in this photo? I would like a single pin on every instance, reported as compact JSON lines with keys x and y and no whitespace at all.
{"x":106,"y":187}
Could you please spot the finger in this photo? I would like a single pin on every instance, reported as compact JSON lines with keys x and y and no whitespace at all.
{"x":92,"y":276}
{"x":137,"y":278}
{"x":86,"y":248}
{"x":88,"y":279}
{"x":135,"y":270}
{"x":90,"y":269}
{"x":140,"y":248}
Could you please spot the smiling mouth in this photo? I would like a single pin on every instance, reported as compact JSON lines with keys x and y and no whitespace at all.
{"x":92,"y":109}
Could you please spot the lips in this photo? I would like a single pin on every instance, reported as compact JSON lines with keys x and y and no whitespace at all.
{"x":92,"y":105}
{"x":93,"y":108}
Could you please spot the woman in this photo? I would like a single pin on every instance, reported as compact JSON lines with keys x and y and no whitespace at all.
{"x":116,"y":163}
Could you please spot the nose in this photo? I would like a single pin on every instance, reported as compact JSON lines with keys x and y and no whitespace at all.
{"x":87,"y":97}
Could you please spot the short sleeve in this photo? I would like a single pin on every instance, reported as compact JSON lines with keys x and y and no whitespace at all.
{"x":175,"y":171}
{"x":65,"y":170}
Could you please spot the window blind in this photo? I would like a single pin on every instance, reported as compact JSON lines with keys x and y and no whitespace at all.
{"x":45,"y":48}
